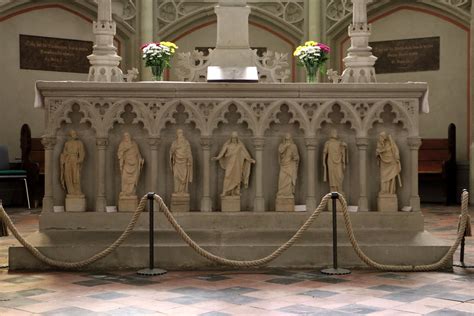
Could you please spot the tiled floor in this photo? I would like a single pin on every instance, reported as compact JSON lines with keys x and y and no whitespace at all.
{"x":263,"y":292}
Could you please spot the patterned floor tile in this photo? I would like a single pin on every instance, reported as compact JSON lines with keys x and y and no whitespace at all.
{"x":109,"y":295}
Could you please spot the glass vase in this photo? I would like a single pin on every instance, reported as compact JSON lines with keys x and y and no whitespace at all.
{"x":157,"y":71}
{"x":311,"y":74}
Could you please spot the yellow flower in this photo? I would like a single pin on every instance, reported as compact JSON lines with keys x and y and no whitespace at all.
{"x":297,"y":50}
{"x":311,"y":43}
{"x":171,"y":45}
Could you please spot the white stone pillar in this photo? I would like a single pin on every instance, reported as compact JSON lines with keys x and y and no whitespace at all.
{"x":414,"y":143}
{"x":146,"y":10}
{"x":471,"y":167}
{"x":311,"y":144}
{"x":100,"y":200}
{"x":315,"y":28}
{"x":359,"y":61}
{"x":154,"y":143}
{"x":206,"y":202}
{"x":48,"y":143}
{"x":104,"y":59}
{"x":362,"y":144}
{"x":259,"y":202}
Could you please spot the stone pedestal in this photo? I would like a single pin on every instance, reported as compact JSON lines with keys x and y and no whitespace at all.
{"x":128,"y":203}
{"x":75,"y":203}
{"x":285,"y":204}
{"x":230,"y":203}
{"x":179,"y":202}
{"x":387,"y":203}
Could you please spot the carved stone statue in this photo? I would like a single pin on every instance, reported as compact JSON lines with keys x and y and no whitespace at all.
{"x":289,"y":159}
{"x":235,"y":160}
{"x":131,"y":163}
{"x":71,"y":160}
{"x":388,"y":158}
{"x":181,"y":160}
{"x":335,"y":159}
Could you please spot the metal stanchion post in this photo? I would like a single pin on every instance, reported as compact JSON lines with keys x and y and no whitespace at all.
{"x":335,"y":270}
{"x":151,"y":270}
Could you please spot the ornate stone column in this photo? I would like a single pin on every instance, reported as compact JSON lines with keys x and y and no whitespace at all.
{"x":104,"y":59}
{"x":146,"y":11}
{"x":311,"y":144}
{"x":315,"y":27}
{"x":48,"y":143}
{"x":471,"y":182}
{"x":259,"y":202}
{"x":362,"y":144}
{"x":359,"y":61}
{"x":206,"y":202}
{"x":154,"y":143}
{"x":414,"y":143}
{"x":100,"y":200}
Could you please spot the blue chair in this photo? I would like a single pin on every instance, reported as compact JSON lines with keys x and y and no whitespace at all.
{"x":10,"y":173}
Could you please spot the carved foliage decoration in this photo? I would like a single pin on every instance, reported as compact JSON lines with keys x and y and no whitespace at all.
{"x":257,"y":114}
{"x":272,"y":66}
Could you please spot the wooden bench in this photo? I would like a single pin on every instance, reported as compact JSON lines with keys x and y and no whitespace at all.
{"x":437,"y":163}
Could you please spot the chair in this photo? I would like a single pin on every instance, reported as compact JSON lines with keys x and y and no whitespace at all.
{"x":8,"y":173}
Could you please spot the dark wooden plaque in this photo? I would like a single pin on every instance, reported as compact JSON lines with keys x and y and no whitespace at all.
{"x":54,"y":54}
{"x":408,"y":55}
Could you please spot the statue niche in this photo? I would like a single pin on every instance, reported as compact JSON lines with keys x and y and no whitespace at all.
{"x":181,"y":162}
{"x":71,"y":160}
{"x":235,"y":159}
{"x":289,"y":158}
{"x":388,"y":159}
{"x":131,"y":164}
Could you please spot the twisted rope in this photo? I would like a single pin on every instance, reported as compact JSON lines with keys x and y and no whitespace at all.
{"x":241,"y":263}
{"x":405,"y":268}
{"x":78,"y":264}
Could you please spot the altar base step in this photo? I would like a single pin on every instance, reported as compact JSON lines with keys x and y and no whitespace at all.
{"x":392,"y":238}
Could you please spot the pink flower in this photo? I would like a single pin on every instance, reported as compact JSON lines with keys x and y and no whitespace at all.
{"x":324,"y":47}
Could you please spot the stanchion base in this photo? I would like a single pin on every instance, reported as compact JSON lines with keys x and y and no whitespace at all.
{"x":462,"y":265}
{"x":151,"y":272}
{"x":338,"y":271}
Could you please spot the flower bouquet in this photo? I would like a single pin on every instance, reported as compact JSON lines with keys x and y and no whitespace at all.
{"x":157,"y":56}
{"x":312,"y":55}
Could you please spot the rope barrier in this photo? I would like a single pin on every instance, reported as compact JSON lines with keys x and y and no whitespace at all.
{"x":77,"y":264}
{"x":245,"y":263}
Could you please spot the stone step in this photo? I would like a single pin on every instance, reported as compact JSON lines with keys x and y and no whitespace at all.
{"x":230,"y":221}
{"x":419,"y":248}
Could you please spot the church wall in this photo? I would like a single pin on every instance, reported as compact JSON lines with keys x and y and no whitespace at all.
{"x":17,"y":85}
{"x":448,"y":86}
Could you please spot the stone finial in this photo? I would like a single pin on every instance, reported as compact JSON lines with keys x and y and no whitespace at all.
{"x":104,"y":59}
{"x":359,"y":61}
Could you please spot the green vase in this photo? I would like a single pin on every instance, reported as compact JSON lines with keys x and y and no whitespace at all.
{"x":311,"y":74}
{"x":157,"y":71}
